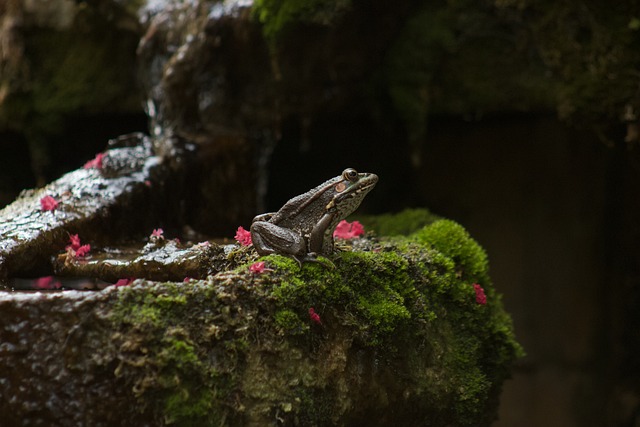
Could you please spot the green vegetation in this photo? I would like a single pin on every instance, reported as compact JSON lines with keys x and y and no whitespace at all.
{"x":453,"y":241}
{"x":242,"y":346}
{"x":276,"y":15}
{"x":86,"y":68}
{"x":401,"y":223}
{"x":474,"y":58}
{"x":162,"y":356}
{"x":65,"y":74}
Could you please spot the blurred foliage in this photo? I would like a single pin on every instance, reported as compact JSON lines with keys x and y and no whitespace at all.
{"x":62,"y":65}
{"x":470,"y":58}
{"x":277,"y":14}
{"x":590,"y":48}
{"x":87,"y":67}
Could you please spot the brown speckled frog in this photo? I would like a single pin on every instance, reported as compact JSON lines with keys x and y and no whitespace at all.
{"x":303,"y":227}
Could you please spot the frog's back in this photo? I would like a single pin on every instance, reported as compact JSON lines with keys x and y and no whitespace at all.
{"x":301,"y":215}
{"x":304,"y":211}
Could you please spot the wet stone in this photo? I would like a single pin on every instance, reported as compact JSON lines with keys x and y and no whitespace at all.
{"x":99,"y":207}
{"x":167,"y":260}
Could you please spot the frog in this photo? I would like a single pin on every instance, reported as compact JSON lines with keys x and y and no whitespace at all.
{"x":303,"y":227}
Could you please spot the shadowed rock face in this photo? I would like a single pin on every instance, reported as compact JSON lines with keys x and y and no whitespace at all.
{"x":212,"y":78}
{"x":206,"y":71}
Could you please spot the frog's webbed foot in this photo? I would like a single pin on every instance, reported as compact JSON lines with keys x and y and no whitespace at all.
{"x":313,"y":257}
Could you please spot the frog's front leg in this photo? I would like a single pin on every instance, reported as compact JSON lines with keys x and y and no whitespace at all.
{"x":318,"y":235}
{"x":269,"y":238}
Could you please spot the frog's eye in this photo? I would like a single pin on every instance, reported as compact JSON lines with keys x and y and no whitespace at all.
{"x":340,"y":187}
{"x":350,"y":174}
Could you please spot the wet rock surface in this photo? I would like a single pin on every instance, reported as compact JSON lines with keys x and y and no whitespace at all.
{"x":100,"y":203}
{"x":206,"y":72}
{"x":394,"y":334}
{"x":56,"y":367}
{"x":167,"y":260}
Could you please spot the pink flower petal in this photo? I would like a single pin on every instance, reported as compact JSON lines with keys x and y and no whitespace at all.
{"x":315,"y":317}
{"x":47,"y":282}
{"x":342,"y":229}
{"x":74,"y":239}
{"x":48,"y":203}
{"x":257,"y":267}
{"x":123,"y":282}
{"x":95,"y":163}
{"x":158,"y":232}
{"x":481,"y":298}
{"x":348,"y":230}
{"x":357,"y":229}
{"x":83,"y":250}
{"x":243,"y":236}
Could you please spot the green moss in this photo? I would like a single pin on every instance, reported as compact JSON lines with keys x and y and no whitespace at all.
{"x":150,"y":308}
{"x":304,"y":284}
{"x":383,"y":310}
{"x":180,"y":353}
{"x":184,"y":401}
{"x":453,"y":241}
{"x":184,"y":409}
{"x":164,"y":358}
{"x":382,"y":289}
{"x":289,"y":322}
{"x":276,"y":15}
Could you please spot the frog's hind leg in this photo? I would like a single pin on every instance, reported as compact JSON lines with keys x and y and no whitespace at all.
{"x":269,"y":238}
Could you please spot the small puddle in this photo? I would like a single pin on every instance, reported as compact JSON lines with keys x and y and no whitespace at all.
{"x":159,"y":260}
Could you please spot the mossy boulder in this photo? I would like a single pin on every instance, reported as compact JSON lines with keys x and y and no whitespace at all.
{"x":393,"y":334}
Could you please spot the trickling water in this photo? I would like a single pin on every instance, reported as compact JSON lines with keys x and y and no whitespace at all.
{"x":262,"y":173}
{"x":228,"y":8}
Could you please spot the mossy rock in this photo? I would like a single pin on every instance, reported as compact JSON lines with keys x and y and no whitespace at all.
{"x":396,"y":336}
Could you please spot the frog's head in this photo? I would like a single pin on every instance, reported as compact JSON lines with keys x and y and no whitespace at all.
{"x":349,"y":189}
